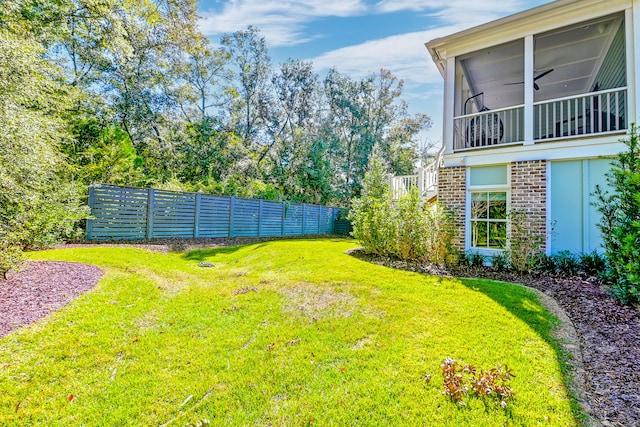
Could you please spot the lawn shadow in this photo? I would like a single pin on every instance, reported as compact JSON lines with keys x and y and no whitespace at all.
{"x":528,"y":306}
{"x":203,"y":254}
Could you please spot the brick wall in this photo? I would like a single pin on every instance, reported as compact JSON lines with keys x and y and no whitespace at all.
{"x":452,"y":193}
{"x":529,"y":193}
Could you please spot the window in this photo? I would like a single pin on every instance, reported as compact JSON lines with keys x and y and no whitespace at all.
{"x":488,"y":219}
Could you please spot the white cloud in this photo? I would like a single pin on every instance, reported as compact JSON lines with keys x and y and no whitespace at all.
{"x":281,"y":22}
{"x":405,"y":55}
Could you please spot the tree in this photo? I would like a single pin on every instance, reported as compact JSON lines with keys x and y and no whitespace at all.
{"x":366,"y":112}
{"x":250,"y":113}
{"x":38,"y":205}
{"x":372,"y":213}
{"x":620,"y":223}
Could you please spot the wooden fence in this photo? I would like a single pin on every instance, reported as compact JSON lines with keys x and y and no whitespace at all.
{"x":125,"y":213}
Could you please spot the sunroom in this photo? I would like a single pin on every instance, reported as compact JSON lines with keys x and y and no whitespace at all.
{"x":565,"y":83}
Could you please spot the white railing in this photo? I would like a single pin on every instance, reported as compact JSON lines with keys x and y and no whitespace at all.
{"x":402,"y":184}
{"x":592,"y":113}
{"x":489,"y":128}
{"x":426,"y":180}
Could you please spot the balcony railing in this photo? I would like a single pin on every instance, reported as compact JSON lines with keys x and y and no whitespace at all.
{"x":592,"y":113}
{"x":489,"y":128}
{"x":426,"y":180}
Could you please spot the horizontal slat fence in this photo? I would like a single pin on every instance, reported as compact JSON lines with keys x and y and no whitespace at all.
{"x":124,"y":213}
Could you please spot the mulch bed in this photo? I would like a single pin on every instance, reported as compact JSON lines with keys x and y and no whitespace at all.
{"x":42,"y":287}
{"x":608,"y":335}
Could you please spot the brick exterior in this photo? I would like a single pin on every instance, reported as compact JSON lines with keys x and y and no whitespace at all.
{"x":529,"y":193}
{"x":452,"y":194}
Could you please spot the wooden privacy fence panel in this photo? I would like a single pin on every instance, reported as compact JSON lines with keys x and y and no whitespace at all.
{"x":123,"y":213}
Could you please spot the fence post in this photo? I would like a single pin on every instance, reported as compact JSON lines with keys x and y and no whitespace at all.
{"x":284,"y":218}
{"x":90,"y":221}
{"x":260,"y":218}
{"x":196,"y":216}
{"x":319,"y":219}
{"x":334,"y":216}
{"x":231,"y":203}
{"x":150,"y":202}
{"x":304,"y":217}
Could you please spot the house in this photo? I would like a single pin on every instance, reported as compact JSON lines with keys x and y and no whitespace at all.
{"x":535,"y":105}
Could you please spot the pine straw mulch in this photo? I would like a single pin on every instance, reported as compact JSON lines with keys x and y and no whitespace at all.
{"x":39,"y":288}
{"x":608,"y":335}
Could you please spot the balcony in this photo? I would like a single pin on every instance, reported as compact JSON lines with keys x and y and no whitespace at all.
{"x":595,"y":113}
{"x":425,"y":180}
{"x":566,"y":83}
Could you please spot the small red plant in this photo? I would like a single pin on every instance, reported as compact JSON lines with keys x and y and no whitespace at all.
{"x":492,"y":383}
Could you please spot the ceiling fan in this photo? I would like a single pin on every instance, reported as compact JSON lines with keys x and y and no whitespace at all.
{"x":535,"y":85}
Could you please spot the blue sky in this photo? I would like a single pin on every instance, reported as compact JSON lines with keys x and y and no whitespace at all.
{"x":359,"y":37}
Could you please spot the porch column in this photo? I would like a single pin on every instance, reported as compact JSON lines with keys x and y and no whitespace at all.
{"x":528,"y":90}
{"x":449,"y":104}
{"x":631,"y":24}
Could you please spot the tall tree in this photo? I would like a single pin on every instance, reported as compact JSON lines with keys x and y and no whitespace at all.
{"x":250,"y":113}
{"x":38,"y":203}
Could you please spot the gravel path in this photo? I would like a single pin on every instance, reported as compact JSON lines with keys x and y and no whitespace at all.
{"x":40,"y":288}
{"x":608,"y":335}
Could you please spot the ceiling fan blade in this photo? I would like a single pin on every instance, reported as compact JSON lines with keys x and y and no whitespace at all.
{"x":542,"y":75}
{"x":515,"y":83}
{"x":535,"y":86}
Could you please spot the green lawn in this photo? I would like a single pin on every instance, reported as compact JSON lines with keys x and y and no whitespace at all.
{"x":325,"y":340}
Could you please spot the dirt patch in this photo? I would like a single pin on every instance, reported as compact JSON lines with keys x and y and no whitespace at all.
{"x":607,"y":336}
{"x":40,"y":288}
{"x":182,"y":245}
{"x":316,"y":302}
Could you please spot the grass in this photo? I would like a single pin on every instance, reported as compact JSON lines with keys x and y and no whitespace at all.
{"x":324,"y":339}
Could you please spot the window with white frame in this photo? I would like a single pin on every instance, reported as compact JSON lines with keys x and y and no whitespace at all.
{"x":488,"y":197}
{"x":488,"y":219}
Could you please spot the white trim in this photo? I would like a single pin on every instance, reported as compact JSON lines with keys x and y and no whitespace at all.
{"x":449,"y":105}
{"x":597,"y":146}
{"x":467,"y":211}
{"x":632,"y":23}
{"x":528,"y":90}
{"x":538,"y":20}
{"x":548,"y":225}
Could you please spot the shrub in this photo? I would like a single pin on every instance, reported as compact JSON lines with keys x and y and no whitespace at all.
{"x":525,"y":241}
{"x":407,"y":229}
{"x":566,"y":263}
{"x":620,"y":223}
{"x":543,"y":264}
{"x":500,"y":262}
{"x":10,"y":257}
{"x":438,"y":233}
{"x":592,"y":264}
{"x":411,"y":227}
{"x":372,"y":215}
{"x":459,"y":380}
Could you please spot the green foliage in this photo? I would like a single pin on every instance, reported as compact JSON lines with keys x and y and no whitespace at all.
{"x":592,"y":264}
{"x":500,"y":262}
{"x":525,"y":241}
{"x":407,"y":229}
{"x":567,"y":263}
{"x":411,"y":227}
{"x":39,"y":201}
{"x":620,"y":223}
{"x":10,"y":257}
{"x":372,"y":215}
